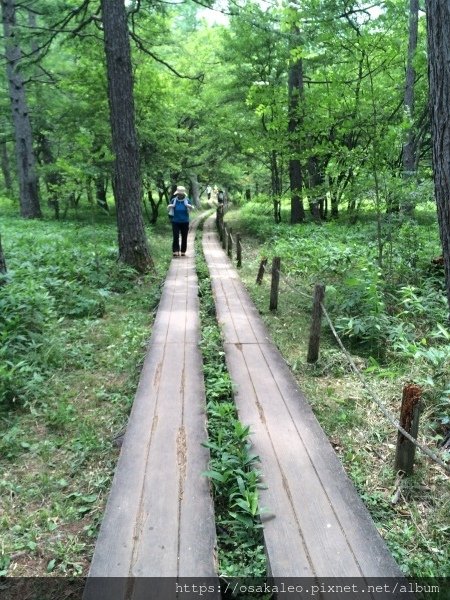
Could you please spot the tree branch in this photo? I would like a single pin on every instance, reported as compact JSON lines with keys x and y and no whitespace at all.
{"x":140,"y":44}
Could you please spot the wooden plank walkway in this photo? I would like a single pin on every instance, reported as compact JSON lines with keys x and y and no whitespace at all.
{"x":159,"y":519}
{"x":316,"y":525}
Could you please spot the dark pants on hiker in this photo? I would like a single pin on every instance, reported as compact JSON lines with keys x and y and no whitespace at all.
{"x":177,"y":229}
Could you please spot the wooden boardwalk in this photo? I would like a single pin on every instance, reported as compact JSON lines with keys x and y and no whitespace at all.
{"x":159,"y":519}
{"x":316,"y":525}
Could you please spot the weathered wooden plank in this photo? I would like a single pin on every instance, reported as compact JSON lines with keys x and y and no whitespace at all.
{"x":196,"y":511}
{"x":159,"y":520}
{"x":317,"y":524}
{"x":355,"y":519}
{"x":280,"y":527}
{"x":115,"y":542}
{"x":320,"y":528}
{"x":155,"y":550}
{"x":232,"y":307}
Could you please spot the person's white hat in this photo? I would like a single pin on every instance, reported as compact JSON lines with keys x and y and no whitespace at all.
{"x":180,"y":190}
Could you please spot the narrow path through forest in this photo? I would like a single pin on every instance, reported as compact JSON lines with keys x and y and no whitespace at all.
{"x":159,"y":519}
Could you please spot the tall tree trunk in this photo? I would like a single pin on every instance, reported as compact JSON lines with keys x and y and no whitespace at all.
{"x":52,"y":177}
{"x":195,"y":189}
{"x":26,"y":163}
{"x":89,"y":193}
{"x":275,"y":174}
{"x":133,"y":245}
{"x":409,"y":150}
{"x":438,"y":28}
{"x":102,"y":169}
{"x":2,"y":264}
{"x":315,"y":179}
{"x":5,"y":166}
{"x":410,"y":146}
{"x":101,"y":184}
{"x":295,"y":93}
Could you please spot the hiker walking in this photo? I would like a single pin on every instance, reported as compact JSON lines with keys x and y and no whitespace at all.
{"x":179,"y":211}
{"x":208,"y":192}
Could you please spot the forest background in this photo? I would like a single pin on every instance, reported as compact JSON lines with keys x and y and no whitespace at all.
{"x":314,"y":117}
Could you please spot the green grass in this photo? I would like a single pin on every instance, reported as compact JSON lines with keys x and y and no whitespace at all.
{"x":233,"y":469}
{"x":393,"y":319}
{"x":75,"y":325}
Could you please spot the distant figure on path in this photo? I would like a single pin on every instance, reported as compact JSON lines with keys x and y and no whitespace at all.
{"x":221,"y":197}
{"x":208,"y":192}
{"x":180,"y":206}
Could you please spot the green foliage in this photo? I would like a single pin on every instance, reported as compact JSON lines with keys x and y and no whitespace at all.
{"x":26,"y":315}
{"x":71,"y":273}
{"x":67,"y":384}
{"x":233,"y":470}
{"x":393,"y":319}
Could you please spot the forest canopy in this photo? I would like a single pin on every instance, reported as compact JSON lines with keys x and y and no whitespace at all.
{"x":317,"y":83}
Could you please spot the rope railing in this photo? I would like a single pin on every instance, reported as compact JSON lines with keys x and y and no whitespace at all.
{"x":378,"y":402}
{"x":276,"y":272}
{"x":387,"y":414}
{"x":294,"y":287}
{"x":367,"y":386}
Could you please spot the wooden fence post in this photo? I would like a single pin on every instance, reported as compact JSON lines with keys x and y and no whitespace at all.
{"x":314,"y":334}
{"x":225,"y":237}
{"x":276,"y":263}
{"x":262,"y":268}
{"x":409,"y":420}
{"x":230,"y":243}
{"x":238,"y":251}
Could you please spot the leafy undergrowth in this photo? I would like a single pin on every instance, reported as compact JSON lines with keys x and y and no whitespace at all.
{"x":233,"y":468}
{"x":74,"y":326}
{"x":393,"y":319}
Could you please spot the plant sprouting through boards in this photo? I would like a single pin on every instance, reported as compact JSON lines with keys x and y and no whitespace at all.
{"x":406,"y":300}
{"x":233,"y":470}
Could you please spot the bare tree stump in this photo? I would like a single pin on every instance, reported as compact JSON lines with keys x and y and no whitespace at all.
{"x":261,"y":270}
{"x":409,"y":420}
{"x":316,"y":322}
{"x":276,"y":263}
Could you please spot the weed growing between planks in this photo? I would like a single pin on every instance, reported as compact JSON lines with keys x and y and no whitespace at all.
{"x":412,"y":515}
{"x":68,"y":385}
{"x":233,"y":467}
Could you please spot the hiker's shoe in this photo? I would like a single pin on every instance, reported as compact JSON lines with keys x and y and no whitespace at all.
{"x":176,"y":254}
{"x":183,"y":254}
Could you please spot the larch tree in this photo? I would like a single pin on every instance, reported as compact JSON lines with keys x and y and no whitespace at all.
{"x":2,"y":264}
{"x":409,"y":148}
{"x":133,"y":245}
{"x":26,"y":162}
{"x":438,"y":30}
{"x":295,"y":94}
{"x":5,"y":167}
